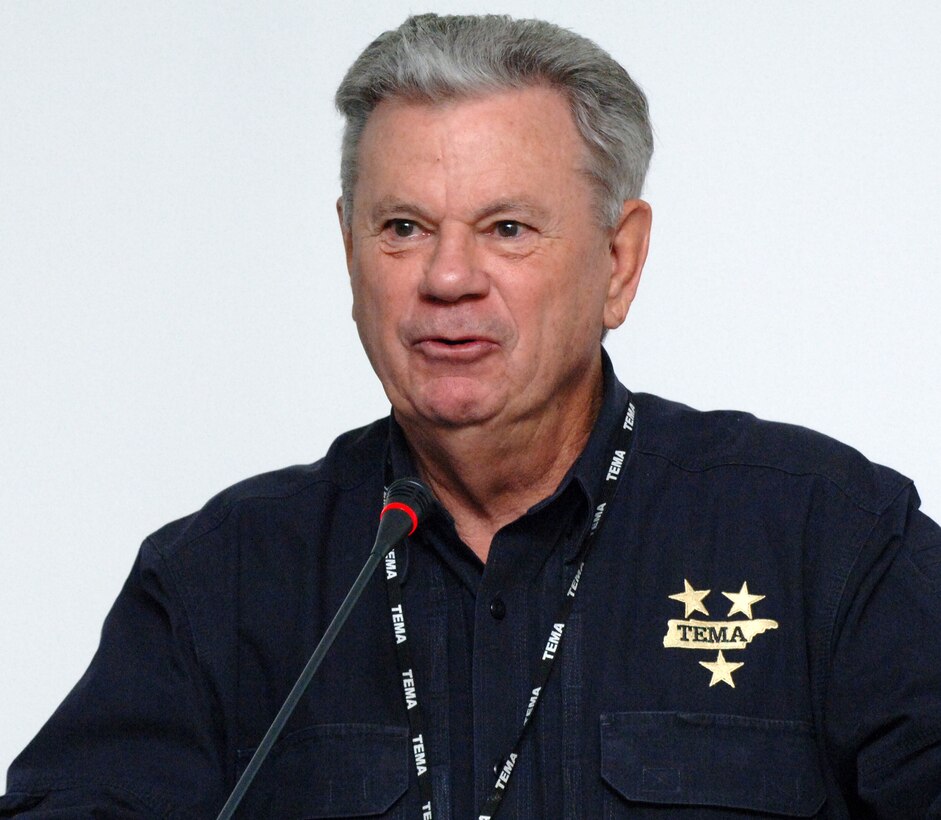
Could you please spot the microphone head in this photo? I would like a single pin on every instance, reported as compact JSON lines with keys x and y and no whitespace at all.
{"x":413,"y":494}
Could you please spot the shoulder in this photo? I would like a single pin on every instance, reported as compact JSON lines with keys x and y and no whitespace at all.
{"x":353,"y":459}
{"x":727,"y":440}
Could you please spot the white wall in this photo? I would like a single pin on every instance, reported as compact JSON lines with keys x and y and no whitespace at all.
{"x":174,"y":313}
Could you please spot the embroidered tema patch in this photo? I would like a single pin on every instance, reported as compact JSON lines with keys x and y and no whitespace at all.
{"x":737,"y":634}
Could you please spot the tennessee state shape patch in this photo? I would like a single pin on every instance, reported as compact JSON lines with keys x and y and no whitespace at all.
{"x":716,"y":635}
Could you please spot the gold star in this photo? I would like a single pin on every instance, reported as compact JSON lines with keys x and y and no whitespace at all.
{"x":721,"y":670}
{"x":692,"y":599}
{"x":742,"y":600}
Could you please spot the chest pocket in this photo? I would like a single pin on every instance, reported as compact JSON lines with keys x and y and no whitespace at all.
{"x":338,"y":770}
{"x":658,"y":760}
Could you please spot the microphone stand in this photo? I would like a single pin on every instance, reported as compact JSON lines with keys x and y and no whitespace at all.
{"x":409,"y":500}
{"x":302,"y":682}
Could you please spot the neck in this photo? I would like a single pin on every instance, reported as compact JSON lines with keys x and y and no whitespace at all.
{"x":489,"y":475}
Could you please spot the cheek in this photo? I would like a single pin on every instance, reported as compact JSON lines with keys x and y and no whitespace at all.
{"x":589,"y":288}
{"x":379,"y":283}
{"x":377,"y":311}
{"x":367,"y":300}
{"x":573,"y":319}
{"x":365,"y":311}
{"x":577,"y":295}
{"x":360,"y":302}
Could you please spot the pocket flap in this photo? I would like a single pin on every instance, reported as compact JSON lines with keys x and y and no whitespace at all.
{"x":337,"y":770}
{"x":678,"y":758}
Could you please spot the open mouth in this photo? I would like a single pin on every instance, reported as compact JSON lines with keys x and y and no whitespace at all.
{"x":465,"y":349}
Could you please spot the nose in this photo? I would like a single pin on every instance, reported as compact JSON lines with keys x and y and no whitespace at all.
{"x":452,"y":271}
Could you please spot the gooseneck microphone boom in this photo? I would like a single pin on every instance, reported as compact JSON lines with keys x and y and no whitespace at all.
{"x":407,"y":503}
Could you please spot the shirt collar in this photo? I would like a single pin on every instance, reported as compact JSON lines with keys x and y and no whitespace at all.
{"x":590,"y":468}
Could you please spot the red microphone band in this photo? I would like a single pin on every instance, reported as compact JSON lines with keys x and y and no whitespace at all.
{"x":398,"y":505}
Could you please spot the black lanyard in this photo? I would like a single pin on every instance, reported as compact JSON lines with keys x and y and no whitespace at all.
{"x":620,"y":446}
{"x":407,"y":675}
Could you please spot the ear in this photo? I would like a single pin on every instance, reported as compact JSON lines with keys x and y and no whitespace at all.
{"x":628,"y":248}
{"x":347,"y":235}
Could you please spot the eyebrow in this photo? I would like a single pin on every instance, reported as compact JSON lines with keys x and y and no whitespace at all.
{"x":387,"y":206}
{"x":525,"y":206}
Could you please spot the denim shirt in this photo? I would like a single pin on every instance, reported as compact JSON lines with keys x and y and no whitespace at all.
{"x":756,"y":633}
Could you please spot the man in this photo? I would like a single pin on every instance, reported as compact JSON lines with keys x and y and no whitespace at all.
{"x":619,"y":607}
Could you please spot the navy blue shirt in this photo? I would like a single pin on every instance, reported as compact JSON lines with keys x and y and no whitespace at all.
{"x":756,"y":632}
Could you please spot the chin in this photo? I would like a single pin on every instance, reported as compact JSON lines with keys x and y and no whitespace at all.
{"x":457,"y":414}
{"x":457,"y":405}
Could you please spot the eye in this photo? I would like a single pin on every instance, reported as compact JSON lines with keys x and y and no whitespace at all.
{"x":402,"y":228}
{"x":508,"y":229}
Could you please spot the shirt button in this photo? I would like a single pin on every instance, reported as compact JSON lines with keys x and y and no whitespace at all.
{"x":498,"y":608}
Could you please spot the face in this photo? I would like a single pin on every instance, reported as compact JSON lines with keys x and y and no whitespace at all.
{"x":481,"y":278}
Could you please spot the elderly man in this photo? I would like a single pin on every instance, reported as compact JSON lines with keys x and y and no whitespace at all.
{"x":618,"y":607}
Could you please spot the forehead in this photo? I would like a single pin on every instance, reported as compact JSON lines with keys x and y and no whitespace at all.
{"x":502,"y":143}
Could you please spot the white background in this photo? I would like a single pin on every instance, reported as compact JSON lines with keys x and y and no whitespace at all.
{"x":174,"y":313}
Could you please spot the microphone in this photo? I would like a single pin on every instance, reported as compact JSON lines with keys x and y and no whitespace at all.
{"x":407,"y":502}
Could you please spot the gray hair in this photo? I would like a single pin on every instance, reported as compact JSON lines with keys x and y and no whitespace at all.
{"x":431,"y":58}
